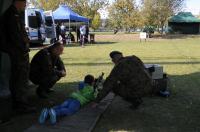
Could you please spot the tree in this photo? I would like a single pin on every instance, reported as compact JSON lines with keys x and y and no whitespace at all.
{"x":96,"y":21}
{"x":124,"y":14}
{"x":157,"y":12}
{"x":87,"y":8}
{"x":48,"y":4}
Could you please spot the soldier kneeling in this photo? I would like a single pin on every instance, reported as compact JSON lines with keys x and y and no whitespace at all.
{"x":128,"y":79}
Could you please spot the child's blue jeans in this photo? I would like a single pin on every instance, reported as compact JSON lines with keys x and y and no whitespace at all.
{"x":68,"y":107}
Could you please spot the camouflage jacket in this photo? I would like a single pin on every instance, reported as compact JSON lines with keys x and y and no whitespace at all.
{"x":127,"y":79}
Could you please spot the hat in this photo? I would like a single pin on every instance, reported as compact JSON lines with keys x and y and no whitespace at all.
{"x":113,"y":53}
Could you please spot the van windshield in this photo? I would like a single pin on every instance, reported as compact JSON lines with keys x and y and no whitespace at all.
{"x":48,"y":20}
{"x":33,"y":21}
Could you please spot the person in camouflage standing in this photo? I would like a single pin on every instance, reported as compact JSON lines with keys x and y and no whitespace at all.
{"x":128,"y":79}
{"x":17,"y":46}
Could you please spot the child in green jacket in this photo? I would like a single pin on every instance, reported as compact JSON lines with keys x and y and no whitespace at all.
{"x":73,"y":104}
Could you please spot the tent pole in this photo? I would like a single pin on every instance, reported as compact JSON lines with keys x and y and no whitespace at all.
{"x":69,"y":24}
{"x":69,"y":29}
{"x":89,"y":31}
{"x":76,"y":33}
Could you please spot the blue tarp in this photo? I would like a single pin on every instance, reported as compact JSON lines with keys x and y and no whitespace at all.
{"x":64,"y":13}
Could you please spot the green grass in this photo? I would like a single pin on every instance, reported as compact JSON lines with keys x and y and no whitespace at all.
{"x":179,"y":57}
{"x":112,"y":32}
{"x":181,"y":61}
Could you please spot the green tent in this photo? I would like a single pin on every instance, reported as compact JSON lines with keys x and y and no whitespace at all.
{"x":185,"y":17}
{"x":184,"y":22}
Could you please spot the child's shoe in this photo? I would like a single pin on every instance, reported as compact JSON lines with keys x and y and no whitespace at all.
{"x":52,"y":115}
{"x":43,"y":115}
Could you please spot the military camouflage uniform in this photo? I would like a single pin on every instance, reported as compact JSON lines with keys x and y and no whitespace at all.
{"x":128,"y":79}
{"x":17,"y":46}
{"x":46,"y":69}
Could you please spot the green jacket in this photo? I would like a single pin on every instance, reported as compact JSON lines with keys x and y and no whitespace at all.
{"x":84,"y":95}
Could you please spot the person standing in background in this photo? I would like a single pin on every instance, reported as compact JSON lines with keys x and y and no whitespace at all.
{"x":87,"y":34}
{"x":58,"y":31}
{"x":63,"y":33}
{"x":83,"y":33}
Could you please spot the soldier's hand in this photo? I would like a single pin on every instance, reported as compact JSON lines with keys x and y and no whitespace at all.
{"x":63,"y":73}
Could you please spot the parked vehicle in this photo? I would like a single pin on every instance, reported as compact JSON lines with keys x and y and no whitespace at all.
{"x":35,"y":25}
{"x":50,"y":27}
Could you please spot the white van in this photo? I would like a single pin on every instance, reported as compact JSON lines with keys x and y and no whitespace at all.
{"x":35,"y":25}
{"x":50,"y":27}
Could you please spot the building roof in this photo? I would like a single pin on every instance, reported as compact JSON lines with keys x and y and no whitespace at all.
{"x":184,"y":17}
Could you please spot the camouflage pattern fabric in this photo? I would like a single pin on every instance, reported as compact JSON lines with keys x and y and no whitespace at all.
{"x":128,"y":79}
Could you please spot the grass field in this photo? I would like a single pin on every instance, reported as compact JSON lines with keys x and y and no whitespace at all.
{"x":180,"y":58}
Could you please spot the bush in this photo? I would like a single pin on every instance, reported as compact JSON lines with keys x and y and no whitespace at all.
{"x":149,"y":29}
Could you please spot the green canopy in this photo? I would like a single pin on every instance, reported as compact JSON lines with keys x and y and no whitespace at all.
{"x":184,"y":17}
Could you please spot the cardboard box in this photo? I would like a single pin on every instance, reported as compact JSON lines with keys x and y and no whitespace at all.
{"x":158,"y":71}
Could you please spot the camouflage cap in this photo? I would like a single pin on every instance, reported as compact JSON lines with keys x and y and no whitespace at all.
{"x":113,"y":53}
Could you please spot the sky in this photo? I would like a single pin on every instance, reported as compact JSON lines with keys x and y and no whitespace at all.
{"x":193,"y":6}
{"x":190,"y":5}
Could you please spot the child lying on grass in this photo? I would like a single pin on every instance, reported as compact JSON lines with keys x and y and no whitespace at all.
{"x":73,"y":104}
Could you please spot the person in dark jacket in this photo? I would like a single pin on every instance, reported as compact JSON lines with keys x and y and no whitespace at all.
{"x":128,"y":79}
{"x":77,"y":35}
{"x":87,"y":34}
{"x":17,"y":46}
{"x":47,"y":68}
{"x":70,"y":37}
{"x":58,"y":31}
